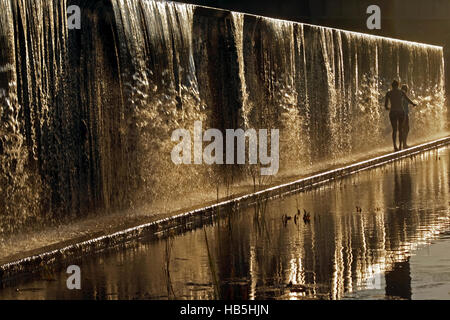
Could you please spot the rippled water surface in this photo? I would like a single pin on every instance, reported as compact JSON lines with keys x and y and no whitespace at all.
{"x":379,"y":234}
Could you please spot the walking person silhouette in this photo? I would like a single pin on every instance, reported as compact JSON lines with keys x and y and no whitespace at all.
{"x":397,"y":114}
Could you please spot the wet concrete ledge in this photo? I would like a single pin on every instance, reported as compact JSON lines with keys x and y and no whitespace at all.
{"x":66,"y":252}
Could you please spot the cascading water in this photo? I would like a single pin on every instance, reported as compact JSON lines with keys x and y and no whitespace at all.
{"x":87,"y":115}
{"x":32,"y":115}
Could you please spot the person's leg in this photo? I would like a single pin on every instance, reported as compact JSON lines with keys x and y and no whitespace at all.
{"x":393,"y":119}
{"x":405,"y":131}
{"x":401,"y":122}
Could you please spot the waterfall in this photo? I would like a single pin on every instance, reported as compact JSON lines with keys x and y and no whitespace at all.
{"x":33,"y":176}
{"x":87,"y":115}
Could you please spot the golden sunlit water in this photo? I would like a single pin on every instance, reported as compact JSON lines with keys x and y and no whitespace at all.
{"x":379,"y":234}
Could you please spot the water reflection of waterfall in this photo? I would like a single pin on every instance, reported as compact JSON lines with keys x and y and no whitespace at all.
{"x":87,"y":116}
{"x":340,"y":251}
{"x":337,"y":254}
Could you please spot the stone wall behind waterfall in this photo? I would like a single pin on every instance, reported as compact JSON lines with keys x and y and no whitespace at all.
{"x":86,"y":115}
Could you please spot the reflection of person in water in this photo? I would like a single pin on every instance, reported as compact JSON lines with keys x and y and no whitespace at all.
{"x":405,"y":103}
{"x":398,"y":276}
{"x":396,"y":114}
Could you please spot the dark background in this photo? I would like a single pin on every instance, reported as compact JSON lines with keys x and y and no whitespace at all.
{"x":426,"y":21}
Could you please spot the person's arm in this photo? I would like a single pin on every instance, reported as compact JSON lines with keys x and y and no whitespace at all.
{"x":408,"y":99}
{"x":386,"y":101}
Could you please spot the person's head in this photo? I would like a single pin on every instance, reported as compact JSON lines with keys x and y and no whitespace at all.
{"x":405,"y":88}
{"x":395,"y":84}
